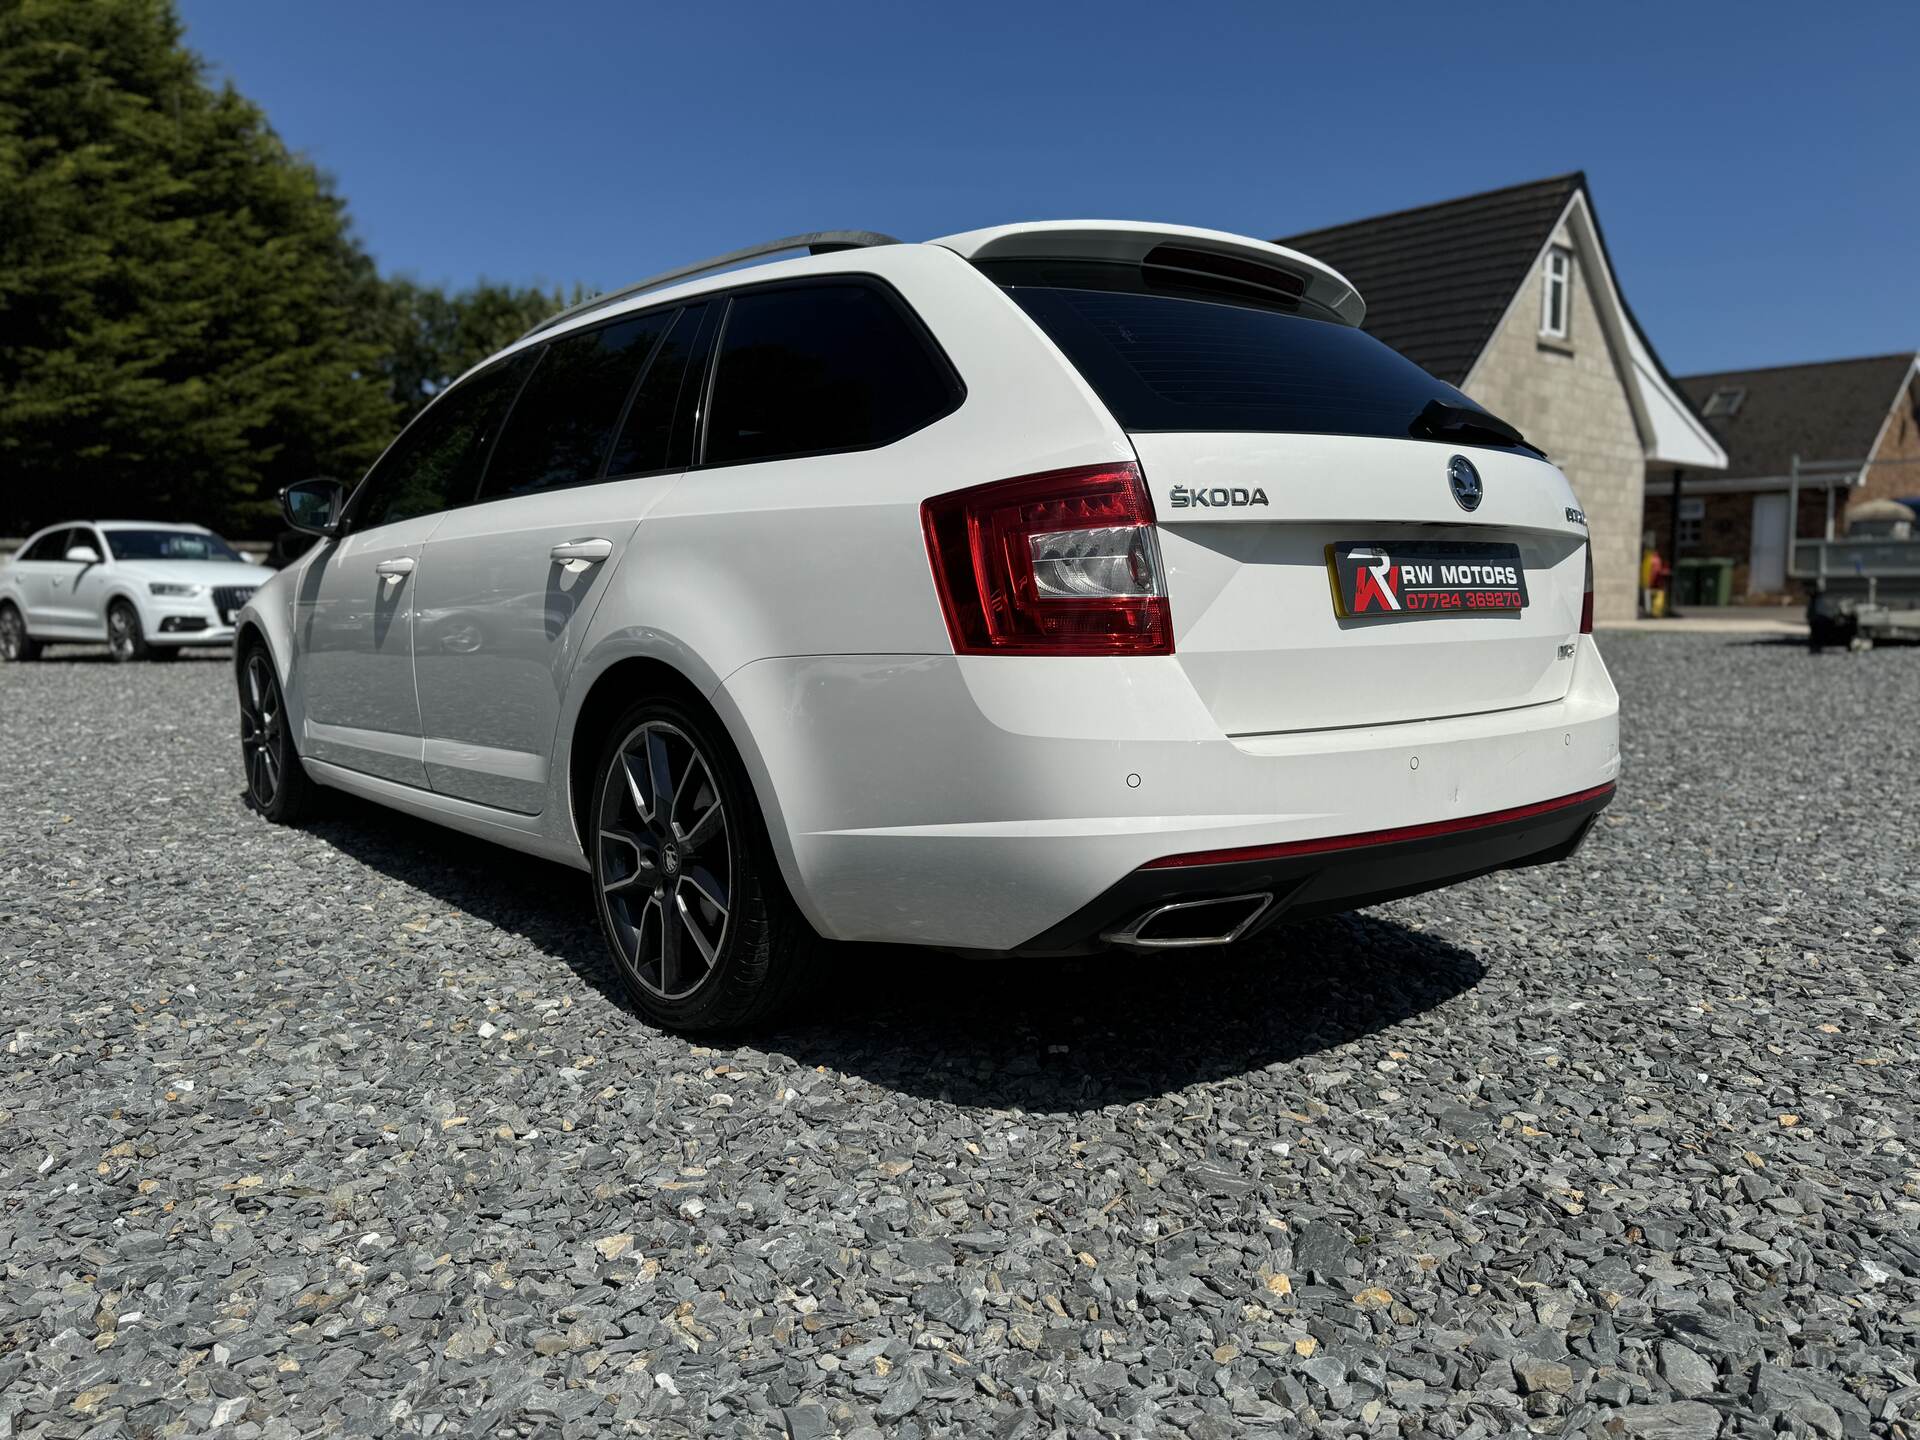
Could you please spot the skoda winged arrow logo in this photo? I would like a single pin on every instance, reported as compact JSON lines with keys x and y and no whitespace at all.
{"x":1465,"y":482}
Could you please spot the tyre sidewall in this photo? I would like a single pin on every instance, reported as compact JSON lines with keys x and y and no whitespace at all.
{"x":291,"y":797}
{"x":137,"y":647}
{"x":12,"y":618}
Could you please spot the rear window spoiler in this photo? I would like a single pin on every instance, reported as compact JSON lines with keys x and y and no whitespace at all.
{"x":1131,"y":242}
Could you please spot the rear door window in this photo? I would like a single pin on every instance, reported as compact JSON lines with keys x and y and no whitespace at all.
{"x":50,"y":546}
{"x":564,"y":420}
{"x":436,"y":463}
{"x":659,"y":428}
{"x":1163,"y":360}
{"x":826,"y":366}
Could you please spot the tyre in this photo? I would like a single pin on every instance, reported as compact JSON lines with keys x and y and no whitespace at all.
{"x":695,"y":914}
{"x":277,"y":784}
{"x":125,"y":636}
{"x":15,"y":643}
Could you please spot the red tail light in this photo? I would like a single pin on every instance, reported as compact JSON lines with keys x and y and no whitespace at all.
{"x":1064,"y":563}
{"x":1586,"y":599}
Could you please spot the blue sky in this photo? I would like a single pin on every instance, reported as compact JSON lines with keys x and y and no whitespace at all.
{"x":1754,"y":166}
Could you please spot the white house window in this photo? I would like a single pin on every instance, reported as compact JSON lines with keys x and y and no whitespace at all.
{"x":1693,"y":515}
{"x":1556,"y":300}
{"x":1724,"y":401}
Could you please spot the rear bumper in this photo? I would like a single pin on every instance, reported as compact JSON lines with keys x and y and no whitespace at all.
{"x":1305,"y":878}
{"x":997,"y":803}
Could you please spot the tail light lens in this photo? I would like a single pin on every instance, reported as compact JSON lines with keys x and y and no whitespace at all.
{"x":1064,"y":563}
{"x":1586,"y":598}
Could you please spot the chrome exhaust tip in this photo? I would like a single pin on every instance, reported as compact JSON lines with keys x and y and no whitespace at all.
{"x":1184,"y":924}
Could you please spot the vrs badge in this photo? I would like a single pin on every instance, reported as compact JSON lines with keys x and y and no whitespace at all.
{"x":1381,"y":580}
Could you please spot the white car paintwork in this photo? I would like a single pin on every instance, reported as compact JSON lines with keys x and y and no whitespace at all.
{"x":911,"y":794}
{"x":67,"y":600}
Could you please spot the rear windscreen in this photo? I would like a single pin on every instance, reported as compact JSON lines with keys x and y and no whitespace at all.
{"x":1164,"y":360}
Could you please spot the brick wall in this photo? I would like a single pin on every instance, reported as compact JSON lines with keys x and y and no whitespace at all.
{"x":1900,"y":441}
{"x":1726,"y":531}
{"x":1570,"y":400}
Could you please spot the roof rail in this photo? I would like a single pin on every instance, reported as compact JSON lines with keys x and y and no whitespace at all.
{"x":816,"y":242}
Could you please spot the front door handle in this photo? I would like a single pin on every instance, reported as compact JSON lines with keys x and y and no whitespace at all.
{"x":394,"y":571}
{"x":577,"y":555}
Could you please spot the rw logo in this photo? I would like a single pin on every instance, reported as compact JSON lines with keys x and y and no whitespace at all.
{"x":1376,"y":583}
{"x":1183,"y":498}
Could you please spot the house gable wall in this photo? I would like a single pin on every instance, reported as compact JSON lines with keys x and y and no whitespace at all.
{"x":1570,"y":399}
{"x":1895,"y":471}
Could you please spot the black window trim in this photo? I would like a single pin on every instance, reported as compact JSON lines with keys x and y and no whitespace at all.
{"x":721,"y":301}
{"x":604,"y":473}
{"x":602,"y":466}
{"x":956,"y":383}
{"x":25,"y":552}
{"x":356,"y":502}
{"x":705,"y":307}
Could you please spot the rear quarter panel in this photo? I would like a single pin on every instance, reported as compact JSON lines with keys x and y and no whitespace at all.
{"x":824,"y":555}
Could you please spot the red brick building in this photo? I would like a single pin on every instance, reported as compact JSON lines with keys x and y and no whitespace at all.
{"x":1854,"y":426}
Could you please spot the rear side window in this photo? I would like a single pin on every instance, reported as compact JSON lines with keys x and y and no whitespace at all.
{"x":658,"y":432}
{"x":436,"y":463}
{"x":50,"y":546}
{"x":807,"y":369}
{"x":1165,"y":361}
{"x":563,"y":421}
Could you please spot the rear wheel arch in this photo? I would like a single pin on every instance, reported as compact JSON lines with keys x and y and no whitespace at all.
{"x":616,"y":688}
{"x":613,"y":690}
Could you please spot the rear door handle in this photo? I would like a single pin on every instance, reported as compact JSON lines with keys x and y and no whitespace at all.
{"x":394,"y":571}
{"x":576,"y":555}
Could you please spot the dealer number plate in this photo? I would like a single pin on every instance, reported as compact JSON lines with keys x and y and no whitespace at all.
{"x":1390,"y":579}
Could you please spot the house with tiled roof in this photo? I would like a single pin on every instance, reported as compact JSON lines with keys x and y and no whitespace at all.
{"x":1512,"y":297}
{"x":1840,"y":432}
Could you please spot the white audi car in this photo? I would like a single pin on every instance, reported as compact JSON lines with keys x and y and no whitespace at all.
{"x":1022,"y":592}
{"x":146,"y":588}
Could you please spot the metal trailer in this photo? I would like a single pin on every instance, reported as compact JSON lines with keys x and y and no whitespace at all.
{"x":1860,"y":589}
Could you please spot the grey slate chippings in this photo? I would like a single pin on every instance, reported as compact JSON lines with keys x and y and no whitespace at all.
{"x":342,"y":1131}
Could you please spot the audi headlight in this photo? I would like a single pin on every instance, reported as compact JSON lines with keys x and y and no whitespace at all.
{"x":169,"y":590}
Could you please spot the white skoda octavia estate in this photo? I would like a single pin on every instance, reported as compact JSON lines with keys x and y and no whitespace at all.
{"x":1026,"y":591}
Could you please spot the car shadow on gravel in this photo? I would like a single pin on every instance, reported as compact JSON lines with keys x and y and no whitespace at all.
{"x":1039,"y":1035}
{"x":59,"y":653}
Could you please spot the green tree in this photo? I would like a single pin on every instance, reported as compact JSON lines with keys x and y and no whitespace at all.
{"x":430,"y":338}
{"x":187,"y":320}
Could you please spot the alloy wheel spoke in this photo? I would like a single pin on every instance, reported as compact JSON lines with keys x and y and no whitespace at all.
{"x":705,"y":884}
{"x":651,"y":921}
{"x":640,"y":805}
{"x":705,"y":828}
{"x":641,"y":865}
{"x":659,"y":778}
{"x":691,"y":925}
{"x":669,"y":950}
{"x":687,"y":789}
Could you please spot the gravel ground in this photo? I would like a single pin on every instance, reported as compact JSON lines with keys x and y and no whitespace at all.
{"x":344,"y":1131}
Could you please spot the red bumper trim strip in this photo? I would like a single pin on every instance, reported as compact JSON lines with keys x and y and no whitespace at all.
{"x":1330,"y":843}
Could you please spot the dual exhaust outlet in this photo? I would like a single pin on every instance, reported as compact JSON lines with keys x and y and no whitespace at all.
{"x":1186,"y":924}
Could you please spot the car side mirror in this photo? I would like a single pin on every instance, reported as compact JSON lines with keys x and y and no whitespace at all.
{"x":84,"y":555}
{"x":314,"y":506}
